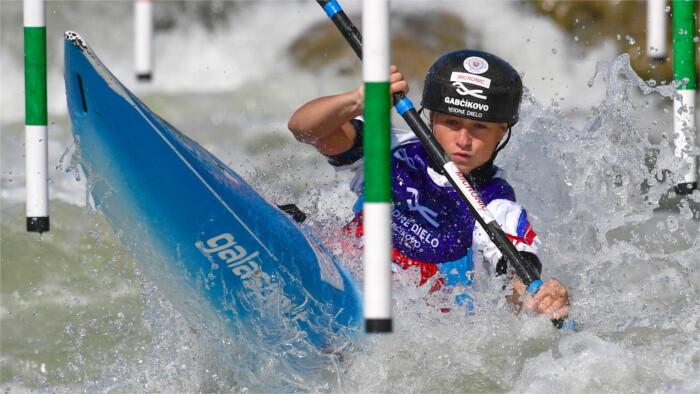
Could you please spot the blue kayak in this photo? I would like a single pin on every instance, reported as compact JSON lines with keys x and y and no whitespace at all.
{"x":210,"y":243}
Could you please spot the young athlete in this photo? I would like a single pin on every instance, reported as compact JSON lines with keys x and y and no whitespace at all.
{"x":473,"y":98}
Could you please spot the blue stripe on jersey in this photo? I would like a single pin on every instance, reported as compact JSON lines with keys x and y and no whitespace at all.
{"x":458,"y":272}
{"x":522,"y":224}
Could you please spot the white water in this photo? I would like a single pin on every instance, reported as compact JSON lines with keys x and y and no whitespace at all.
{"x":590,"y":160}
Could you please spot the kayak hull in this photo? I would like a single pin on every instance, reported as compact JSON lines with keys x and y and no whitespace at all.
{"x":209,"y":241}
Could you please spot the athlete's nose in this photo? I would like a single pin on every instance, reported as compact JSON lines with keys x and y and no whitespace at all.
{"x":463,"y":138}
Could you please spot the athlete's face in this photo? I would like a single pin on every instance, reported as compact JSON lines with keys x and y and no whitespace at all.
{"x":469,"y":143}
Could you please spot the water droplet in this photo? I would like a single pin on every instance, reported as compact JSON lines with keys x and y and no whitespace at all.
{"x":630,"y":39}
{"x":554,"y":51}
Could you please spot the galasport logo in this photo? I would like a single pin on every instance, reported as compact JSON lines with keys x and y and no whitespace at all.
{"x":234,"y":256}
{"x":471,"y":190}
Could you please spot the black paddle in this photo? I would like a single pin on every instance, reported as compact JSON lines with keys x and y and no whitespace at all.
{"x":528,"y":274}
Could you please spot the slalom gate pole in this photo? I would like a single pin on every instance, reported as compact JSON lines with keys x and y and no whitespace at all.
{"x":143,"y":39}
{"x":684,"y":102}
{"x":527,"y":274}
{"x":656,"y":30}
{"x":36,"y":129}
{"x":376,"y":146}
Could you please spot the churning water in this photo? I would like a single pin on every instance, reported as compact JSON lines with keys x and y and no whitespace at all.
{"x":591,"y":160}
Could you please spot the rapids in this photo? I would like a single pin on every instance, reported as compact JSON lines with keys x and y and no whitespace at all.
{"x":591,"y":160}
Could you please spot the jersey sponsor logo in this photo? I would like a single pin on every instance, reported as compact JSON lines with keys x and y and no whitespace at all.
{"x":414,"y":205}
{"x":476,"y":65}
{"x":411,"y":233}
{"x":233,"y":255}
{"x":403,"y":156}
{"x":467,"y":104}
{"x":471,"y":79}
{"x":475,"y":198}
{"x":465,"y":91}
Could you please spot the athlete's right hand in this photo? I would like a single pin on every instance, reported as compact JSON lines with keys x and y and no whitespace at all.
{"x":396,"y":83}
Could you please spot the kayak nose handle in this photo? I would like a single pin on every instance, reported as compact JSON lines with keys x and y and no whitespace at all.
{"x":82,"y":92}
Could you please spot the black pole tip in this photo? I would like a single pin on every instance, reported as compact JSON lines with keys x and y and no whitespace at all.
{"x":144,"y":77}
{"x":378,"y":325}
{"x":683,"y":189}
{"x":38,"y":224}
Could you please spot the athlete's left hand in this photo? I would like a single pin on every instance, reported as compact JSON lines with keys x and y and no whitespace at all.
{"x":551,"y":299}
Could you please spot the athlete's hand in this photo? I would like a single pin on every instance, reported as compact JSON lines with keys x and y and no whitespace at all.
{"x":396,"y":84}
{"x":551,"y":299}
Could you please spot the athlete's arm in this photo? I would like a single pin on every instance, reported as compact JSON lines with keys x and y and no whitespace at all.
{"x":552,"y":298}
{"x":325,"y":121}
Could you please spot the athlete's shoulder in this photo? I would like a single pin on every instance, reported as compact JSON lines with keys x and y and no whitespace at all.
{"x":496,"y":187}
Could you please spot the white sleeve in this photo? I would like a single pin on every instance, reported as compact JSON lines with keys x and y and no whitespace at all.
{"x":513,"y":220}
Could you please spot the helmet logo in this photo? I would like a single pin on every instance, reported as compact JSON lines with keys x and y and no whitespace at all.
{"x":470,"y":78}
{"x":464,"y":91}
{"x":476,"y":65}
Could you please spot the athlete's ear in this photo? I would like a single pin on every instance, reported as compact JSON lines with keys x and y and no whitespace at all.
{"x":502,"y":131}
{"x":432,"y":119}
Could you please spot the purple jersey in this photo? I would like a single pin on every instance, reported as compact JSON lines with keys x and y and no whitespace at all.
{"x":432,"y":227}
{"x":430,"y":222}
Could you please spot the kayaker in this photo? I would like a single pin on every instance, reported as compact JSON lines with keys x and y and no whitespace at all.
{"x":473,"y":99}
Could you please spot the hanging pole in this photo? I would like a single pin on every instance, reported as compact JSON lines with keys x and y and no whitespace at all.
{"x":684,"y":126}
{"x":36,"y":130}
{"x":143,"y":39}
{"x":656,"y":30}
{"x":377,"y":205}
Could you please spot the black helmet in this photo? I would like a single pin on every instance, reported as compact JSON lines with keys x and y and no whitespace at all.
{"x":474,"y":85}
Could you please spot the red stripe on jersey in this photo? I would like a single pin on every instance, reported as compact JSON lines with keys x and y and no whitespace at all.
{"x":354,"y":229}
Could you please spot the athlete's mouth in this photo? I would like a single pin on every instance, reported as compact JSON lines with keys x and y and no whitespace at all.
{"x":461,"y":156}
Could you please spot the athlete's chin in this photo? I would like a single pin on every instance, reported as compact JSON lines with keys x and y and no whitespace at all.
{"x":464,"y":168}
{"x":464,"y":164}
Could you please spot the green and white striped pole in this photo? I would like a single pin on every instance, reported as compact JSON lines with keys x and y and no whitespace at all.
{"x":684,"y":102}
{"x":377,"y":205}
{"x":143,"y":39}
{"x":656,"y":30}
{"x":36,"y":130}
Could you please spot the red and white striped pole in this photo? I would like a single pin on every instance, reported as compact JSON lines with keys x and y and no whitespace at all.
{"x":143,"y":39}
